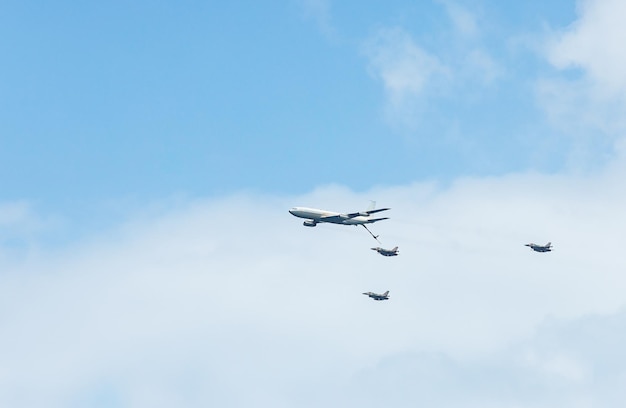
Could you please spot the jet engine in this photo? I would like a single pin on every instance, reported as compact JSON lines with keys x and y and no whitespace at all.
{"x":309,"y":223}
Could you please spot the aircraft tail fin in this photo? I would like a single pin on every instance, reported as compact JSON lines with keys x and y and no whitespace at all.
{"x":395,"y":249}
{"x":371,"y":206}
{"x":549,"y":244}
{"x":386,"y":293}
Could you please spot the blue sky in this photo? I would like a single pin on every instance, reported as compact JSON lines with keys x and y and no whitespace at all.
{"x":149,"y":153}
{"x":106,"y":101}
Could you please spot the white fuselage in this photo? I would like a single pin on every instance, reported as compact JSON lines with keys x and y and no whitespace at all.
{"x":329,"y":216}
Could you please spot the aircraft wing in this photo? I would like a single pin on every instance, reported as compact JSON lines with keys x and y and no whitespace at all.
{"x":365,"y":213}
{"x":378,"y":210}
{"x":336,"y":218}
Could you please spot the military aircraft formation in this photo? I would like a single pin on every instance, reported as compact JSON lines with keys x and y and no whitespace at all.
{"x":314,"y":216}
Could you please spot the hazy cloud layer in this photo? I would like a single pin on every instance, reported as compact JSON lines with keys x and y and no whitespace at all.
{"x":234,"y":302}
{"x":567,"y":363}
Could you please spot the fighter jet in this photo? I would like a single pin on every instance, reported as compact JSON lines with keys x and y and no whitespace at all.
{"x":313,"y":216}
{"x":540,"y":248}
{"x":386,"y":252}
{"x":376,"y":296}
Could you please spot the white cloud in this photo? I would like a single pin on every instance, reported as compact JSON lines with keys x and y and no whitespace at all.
{"x":567,"y":363}
{"x":464,"y":21}
{"x":403,"y":66}
{"x":19,"y":217}
{"x":483,"y":66}
{"x":588,"y":101}
{"x":559,"y":366}
{"x":320,"y":12}
{"x":593,"y":43}
{"x":407,"y":71}
{"x":415,"y":77}
{"x":19,"y":226}
{"x":233,"y":302}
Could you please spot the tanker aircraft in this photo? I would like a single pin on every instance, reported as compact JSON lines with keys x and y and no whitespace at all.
{"x":314,"y":216}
